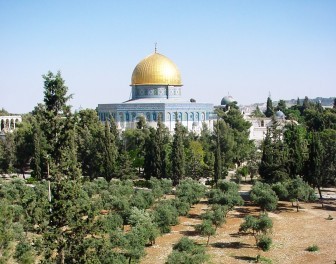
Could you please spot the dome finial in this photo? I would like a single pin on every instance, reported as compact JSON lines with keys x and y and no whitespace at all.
{"x":155,"y":47}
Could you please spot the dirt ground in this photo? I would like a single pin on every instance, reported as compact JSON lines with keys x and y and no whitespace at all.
{"x":292,"y":233}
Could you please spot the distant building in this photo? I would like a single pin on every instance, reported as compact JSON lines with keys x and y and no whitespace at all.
{"x":260,"y":125}
{"x":156,"y":89}
{"x":8,"y":123}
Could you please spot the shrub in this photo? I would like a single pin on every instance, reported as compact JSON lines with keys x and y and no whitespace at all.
{"x":226,"y":186}
{"x":300,"y":191}
{"x":166,"y":185}
{"x":182,"y":206}
{"x":185,"y":244}
{"x":187,"y":251}
{"x":190,"y":191}
{"x":264,"y":243}
{"x":329,"y":217}
{"x":165,"y":215}
{"x":313,"y":248}
{"x":281,"y":190}
{"x":142,"y":199}
{"x":155,"y":185}
{"x":264,"y":196}
{"x":264,"y":223}
{"x":227,"y":194}
{"x":24,"y":253}
{"x":112,"y":221}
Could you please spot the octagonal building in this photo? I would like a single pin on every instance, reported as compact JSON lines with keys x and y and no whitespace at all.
{"x":156,"y":87}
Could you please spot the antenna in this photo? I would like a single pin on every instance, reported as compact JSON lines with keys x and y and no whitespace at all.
{"x":155,"y":47}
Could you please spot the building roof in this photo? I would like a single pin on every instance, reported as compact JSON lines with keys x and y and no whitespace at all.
{"x":227,"y":99}
{"x":156,"y":69}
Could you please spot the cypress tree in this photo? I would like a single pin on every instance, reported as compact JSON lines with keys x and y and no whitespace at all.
{"x":269,"y":108}
{"x":178,"y":155}
{"x":110,"y":152}
{"x":314,"y":167}
{"x":150,"y":147}
{"x":37,"y":156}
{"x":218,"y":157}
{"x":159,"y":150}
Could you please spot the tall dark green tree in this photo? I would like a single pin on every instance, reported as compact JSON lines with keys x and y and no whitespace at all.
{"x":69,"y":165}
{"x":274,"y":160}
{"x":7,"y":151}
{"x":178,"y":155}
{"x":208,"y":146}
{"x":218,"y":158}
{"x":71,"y":220}
{"x":328,"y":138}
{"x":37,"y":161}
{"x":194,"y":159}
{"x":269,"y":108}
{"x":306,"y":104}
{"x":125,"y":168}
{"x":295,"y":138}
{"x":24,"y":146}
{"x":110,"y":152}
{"x":56,"y":114}
{"x":57,"y":124}
{"x":90,"y":150}
{"x":150,"y":150}
{"x":281,"y":106}
{"x":160,"y":149}
{"x":240,"y":130}
{"x":314,"y":166}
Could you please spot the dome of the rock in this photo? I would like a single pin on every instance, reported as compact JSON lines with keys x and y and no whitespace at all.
{"x":156,"y":69}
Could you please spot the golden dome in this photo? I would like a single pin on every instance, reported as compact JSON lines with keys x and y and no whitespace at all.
{"x":156,"y":69}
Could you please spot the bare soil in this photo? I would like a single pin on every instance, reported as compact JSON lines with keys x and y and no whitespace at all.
{"x":292,"y":233}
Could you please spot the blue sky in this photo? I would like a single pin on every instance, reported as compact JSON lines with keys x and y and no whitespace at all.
{"x":246,"y":48}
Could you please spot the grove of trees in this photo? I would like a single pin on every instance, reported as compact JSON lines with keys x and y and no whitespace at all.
{"x":98,"y":195}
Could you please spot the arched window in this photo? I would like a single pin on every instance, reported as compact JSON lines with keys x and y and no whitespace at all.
{"x":180,"y":116}
{"x":185,"y":117}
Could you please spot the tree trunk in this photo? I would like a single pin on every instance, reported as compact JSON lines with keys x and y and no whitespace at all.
{"x":208,"y":240}
{"x":297,"y":205}
{"x":320,"y":193}
{"x":130,"y":260}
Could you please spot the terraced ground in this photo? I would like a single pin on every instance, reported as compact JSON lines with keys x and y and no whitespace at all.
{"x":293,"y":232}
